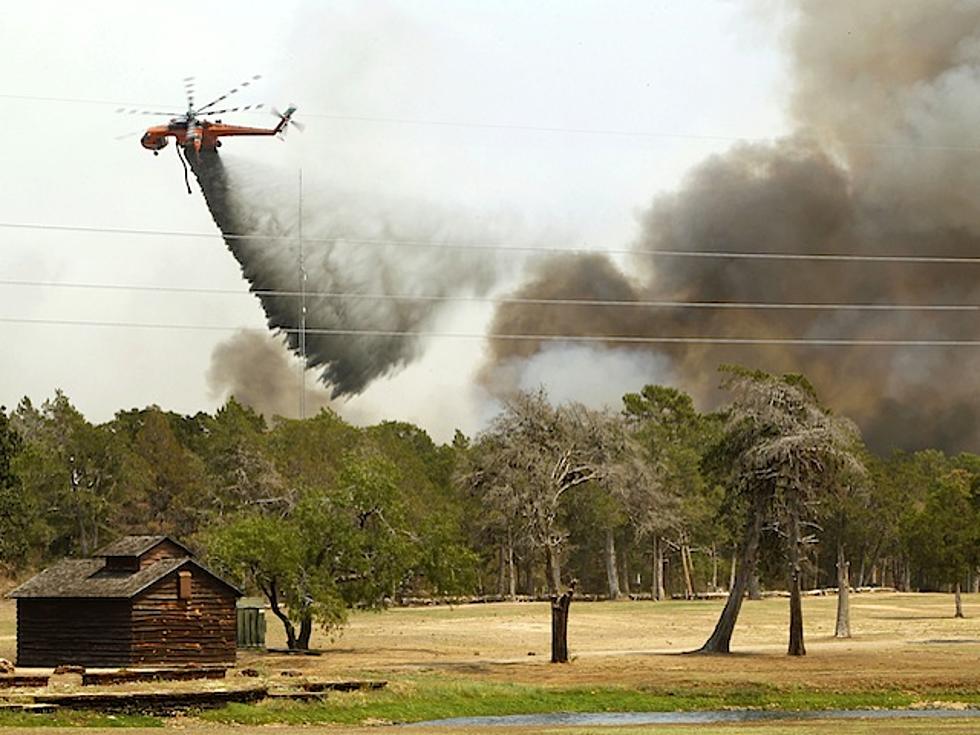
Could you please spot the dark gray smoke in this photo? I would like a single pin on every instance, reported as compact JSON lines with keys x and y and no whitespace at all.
{"x":258,"y":217}
{"x":887,"y":99}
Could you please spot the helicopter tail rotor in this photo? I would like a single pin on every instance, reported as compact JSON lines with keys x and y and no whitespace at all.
{"x":285,"y":120}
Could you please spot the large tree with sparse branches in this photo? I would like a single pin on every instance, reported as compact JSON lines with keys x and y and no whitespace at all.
{"x":782,"y":450}
{"x":532,"y":454}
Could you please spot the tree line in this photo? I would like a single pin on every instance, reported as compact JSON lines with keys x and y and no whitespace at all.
{"x":656,"y":499}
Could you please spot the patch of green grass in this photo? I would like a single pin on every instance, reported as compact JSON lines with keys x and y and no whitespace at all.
{"x":431,"y":700}
{"x":76,"y":718}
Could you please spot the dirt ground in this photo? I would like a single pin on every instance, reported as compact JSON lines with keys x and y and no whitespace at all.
{"x":901,"y":640}
{"x":909,"y":642}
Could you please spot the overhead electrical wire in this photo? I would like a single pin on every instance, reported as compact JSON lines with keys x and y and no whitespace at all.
{"x":499,"y":247}
{"x":644,"y":303}
{"x":523,"y":127}
{"x":572,"y":338}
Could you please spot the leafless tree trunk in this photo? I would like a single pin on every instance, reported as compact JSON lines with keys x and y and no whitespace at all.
{"x":305,"y":632}
{"x":527,"y":572}
{"x":721,"y":637}
{"x":843,"y":628}
{"x":624,"y":577}
{"x":958,"y":599}
{"x":559,"y":625}
{"x":272,"y":593}
{"x":612,"y":575}
{"x":658,"y":569}
{"x":553,"y":568}
{"x":975,"y":588}
{"x":796,"y":647}
{"x":714,"y":568}
{"x":731,"y":572}
{"x":501,"y":570}
{"x":511,"y":567}
{"x":688,"y":571}
{"x":755,"y":588}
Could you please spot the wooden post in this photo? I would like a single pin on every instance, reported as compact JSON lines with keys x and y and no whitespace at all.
{"x":559,"y":625}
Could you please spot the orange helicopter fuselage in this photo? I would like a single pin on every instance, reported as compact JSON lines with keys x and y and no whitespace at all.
{"x":202,"y":135}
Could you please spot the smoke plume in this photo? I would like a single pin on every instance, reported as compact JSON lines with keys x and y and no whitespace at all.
{"x":258,"y":217}
{"x":257,"y":370}
{"x":886,"y":98}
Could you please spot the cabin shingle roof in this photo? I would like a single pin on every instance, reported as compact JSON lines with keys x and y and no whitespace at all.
{"x":86,"y":578}
{"x":137,"y":546}
{"x":91,"y":578}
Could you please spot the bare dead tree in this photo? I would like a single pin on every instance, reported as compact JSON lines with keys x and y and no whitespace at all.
{"x":785,"y":450}
{"x":533,"y":453}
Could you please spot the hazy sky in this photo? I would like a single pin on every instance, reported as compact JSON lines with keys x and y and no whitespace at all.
{"x":372,"y":80}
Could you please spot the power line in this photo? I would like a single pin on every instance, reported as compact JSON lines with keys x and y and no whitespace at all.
{"x":625,"y":133}
{"x":354,"y":295}
{"x":574,"y":338}
{"x":501,"y":247}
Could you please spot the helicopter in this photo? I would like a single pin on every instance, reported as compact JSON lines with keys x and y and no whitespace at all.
{"x":196,"y":129}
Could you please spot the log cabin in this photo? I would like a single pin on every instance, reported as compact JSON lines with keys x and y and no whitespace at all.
{"x":140,"y":601}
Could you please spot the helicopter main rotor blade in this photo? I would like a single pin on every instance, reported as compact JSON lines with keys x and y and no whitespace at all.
{"x":243,"y":108}
{"x":189,"y":90}
{"x":138,"y":111}
{"x":230,"y":92}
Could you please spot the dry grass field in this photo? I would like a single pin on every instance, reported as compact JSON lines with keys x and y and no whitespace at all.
{"x":903,"y":643}
{"x":906,"y":641}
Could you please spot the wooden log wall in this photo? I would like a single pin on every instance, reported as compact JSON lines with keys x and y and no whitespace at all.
{"x":51,"y":632}
{"x":169,"y":630}
{"x":163,"y":550}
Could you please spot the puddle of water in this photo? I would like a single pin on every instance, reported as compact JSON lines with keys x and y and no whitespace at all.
{"x":691,"y":718}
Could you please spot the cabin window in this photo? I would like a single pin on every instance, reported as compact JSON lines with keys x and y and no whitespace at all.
{"x":184,"y":585}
